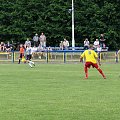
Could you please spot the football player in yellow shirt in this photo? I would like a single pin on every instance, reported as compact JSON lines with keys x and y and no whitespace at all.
{"x":91,"y":59}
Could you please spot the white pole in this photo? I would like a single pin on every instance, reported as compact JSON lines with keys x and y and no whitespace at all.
{"x":73,"y":39}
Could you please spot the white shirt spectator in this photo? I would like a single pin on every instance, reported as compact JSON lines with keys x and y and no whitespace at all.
{"x":42,"y":39}
{"x":27,"y":43}
{"x":86,"y":44}
{"x":99,"y":49}
{"x":34,"y":49}
{"x":96,"y":43}
{"x":65,"y":44}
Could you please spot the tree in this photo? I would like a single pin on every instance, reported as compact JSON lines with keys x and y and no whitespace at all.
{"x":20,"y":19}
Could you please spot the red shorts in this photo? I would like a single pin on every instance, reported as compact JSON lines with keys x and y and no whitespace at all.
{"x":89,"y":64}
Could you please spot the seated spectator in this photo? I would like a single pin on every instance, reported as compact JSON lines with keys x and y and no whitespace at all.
{"x":40,"y":48}
{"x":40,"y":51}
{"x":86,"y":44}
{"x":34,"y":51}
{"x":8,"y":47}
{"x":2,"y":46}
{"x":65,"y":44}
{"x":96,"y":43}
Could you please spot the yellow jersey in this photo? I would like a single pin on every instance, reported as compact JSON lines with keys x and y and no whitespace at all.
{"x":89,"y":56}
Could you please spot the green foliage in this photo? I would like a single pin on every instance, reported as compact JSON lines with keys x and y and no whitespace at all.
{"x":20,"y":19}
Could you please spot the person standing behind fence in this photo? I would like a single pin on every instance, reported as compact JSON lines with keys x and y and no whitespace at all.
{"x":96,"y":43}
{"x":65,"y":44}
{"x":99,"y":49}
{"x":86,"y":44}
{"x":91,"y":59}
{"x":27,"y":43}
{"x":102,"y":41}
{"x":61,"y":45}
{"x":36,"y":40}
{"x":21,"y":51}
{"x":42,"y":40}
{"x":2,"y":46}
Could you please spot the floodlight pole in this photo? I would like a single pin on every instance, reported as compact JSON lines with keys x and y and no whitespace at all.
{"x":73,"y":38}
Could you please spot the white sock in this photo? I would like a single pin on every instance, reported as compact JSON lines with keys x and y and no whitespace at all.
{"x":30,"y":64}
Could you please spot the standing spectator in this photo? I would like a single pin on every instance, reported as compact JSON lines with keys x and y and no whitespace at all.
{"x":102,"y":40}
{"x":2,"y":46}
{"x":27,"y":43}
{"x":96,"y":43}
{"x":36,"y":40}
{"x":99,"y":49}
{"x":86,"y":44}
{"x":42,"y":40}
{"x":61,"y":45}
{"x":91,"y":59}
{"x":65,"y":44}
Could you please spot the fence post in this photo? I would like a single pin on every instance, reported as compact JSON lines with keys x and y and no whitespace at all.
{"x":116,"y":56}
{"x":64,"y":56}
{"x":13,"y":56}
{"x":47,"y":56}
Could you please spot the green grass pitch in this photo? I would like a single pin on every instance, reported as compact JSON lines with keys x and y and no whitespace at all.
{"x":59,"y":92}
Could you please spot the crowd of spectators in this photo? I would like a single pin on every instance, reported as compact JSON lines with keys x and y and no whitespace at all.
{"x":39,"y":42}
{"x":5,"y":47}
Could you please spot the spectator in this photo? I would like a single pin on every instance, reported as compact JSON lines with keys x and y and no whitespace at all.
{"x":27,"y":43}
{"x":8,"y":47}
{"x":96,"y":43}
{"x":65,"y":44}
{"x":34,"y":51}
{"x":40,"y":50}
{"x":99,"y":49}
{"x":36,"y":40}
{"x":86,"y":44}
{"x":2,"y":46}
{"x":61,"y":45}
{"x":42,"y":40}
{"x":102,"y":40}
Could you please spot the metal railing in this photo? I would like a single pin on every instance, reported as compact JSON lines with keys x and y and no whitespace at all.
{"x":61,"y":56}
